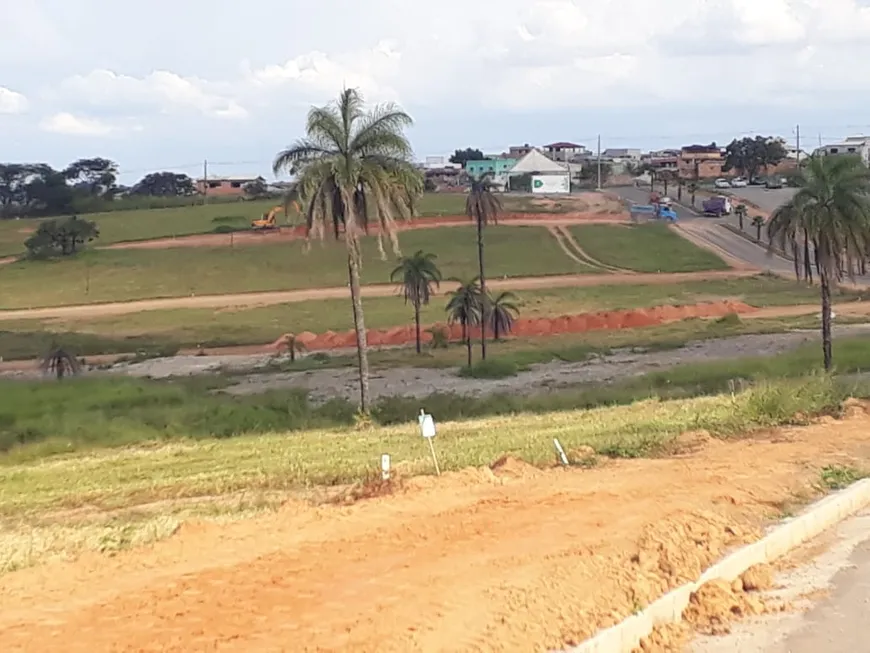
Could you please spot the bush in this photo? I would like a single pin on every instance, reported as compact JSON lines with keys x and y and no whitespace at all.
{"x":490,"y":369}
{"x":61,"y":237}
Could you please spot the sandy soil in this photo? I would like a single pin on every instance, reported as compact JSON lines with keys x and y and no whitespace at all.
{"x":269,"y":298}
{"x":510,"y":559}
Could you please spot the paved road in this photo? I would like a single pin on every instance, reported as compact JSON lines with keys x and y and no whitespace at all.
{"x":833,"y":617}
{"x":763,"y":198}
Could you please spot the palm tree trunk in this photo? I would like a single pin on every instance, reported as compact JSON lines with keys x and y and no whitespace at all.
{"x":360,"y":328}
{"x":483,"y":305}
{"x":825,"y":283}
{"x":417,"y":323}
{"x":468,"y":347}
{"x":758,"y":232}
{"x":495,"y":329}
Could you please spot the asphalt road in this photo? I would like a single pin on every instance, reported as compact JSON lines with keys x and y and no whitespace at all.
{"x":710,"y":231}
{"x":763,"y":198}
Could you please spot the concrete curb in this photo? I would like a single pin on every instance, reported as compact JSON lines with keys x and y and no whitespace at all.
{"x":625,"y":637}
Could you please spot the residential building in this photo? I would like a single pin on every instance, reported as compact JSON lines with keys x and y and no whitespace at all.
{"x":853,"y":145}
{"x":224,"y":186}
{"x":564,"y":151}
{"x":518,"y":151}
{"x":700,"y":162}
{"x":626,"y":154}
{"x":497,"y":168}
{"x":547,"y":176}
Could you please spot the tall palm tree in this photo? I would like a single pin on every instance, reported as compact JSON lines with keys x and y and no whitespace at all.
{"x":741,"y":211}
{"x":758,"y":223}
{"x":829,"y":216}
{"x":353,"y":171}
{"x":484,"y":207}
{"x":416,"y":275}
{"x":465,"y":307}
{"x":693,"y":189}
{"x":60,"y":363}
{"x":502,"y":313}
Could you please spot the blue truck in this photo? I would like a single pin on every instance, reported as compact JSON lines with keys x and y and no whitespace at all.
{"x":657,"y":211}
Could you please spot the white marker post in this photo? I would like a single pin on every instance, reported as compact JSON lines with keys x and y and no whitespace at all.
{"x":561,"y":452}
{"x":427,"y":430}
{"x":385,"y":467}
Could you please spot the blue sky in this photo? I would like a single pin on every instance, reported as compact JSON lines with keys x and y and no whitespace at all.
{"x":168,"y":86}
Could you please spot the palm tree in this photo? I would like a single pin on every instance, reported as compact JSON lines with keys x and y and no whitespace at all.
{"x":416,"y":275}
{"x":502,"y":313}
{"x":830,"y":216}
{"x":693,"y":188}
{"x":740,"y":210}
{"x":482,"y":206}
{"x":464,"y":307}
{"x":758,"y":223}
{"x":60,"y":363}
{"x":353,"y":170}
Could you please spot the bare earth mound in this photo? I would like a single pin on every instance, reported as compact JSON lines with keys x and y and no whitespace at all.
{"x":505,"y":560}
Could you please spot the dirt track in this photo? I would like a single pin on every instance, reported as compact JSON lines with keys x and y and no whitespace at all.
{"x":512,"y":560}
{"x":385,"y":290}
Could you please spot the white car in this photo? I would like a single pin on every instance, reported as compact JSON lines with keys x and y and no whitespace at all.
{"x":740,"y":182}
{"x":722,"y":183}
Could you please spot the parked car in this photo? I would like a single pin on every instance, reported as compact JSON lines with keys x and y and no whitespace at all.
{"x":717,"y":206}
{"x":739,"y":182}
{"x":774,"y":182}
{"x":722,"y":183}
{"x":758,"y":181}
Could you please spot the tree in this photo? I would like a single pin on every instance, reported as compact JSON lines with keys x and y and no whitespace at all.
{"x":589,"y":172}
{"x":749,"y":155}
{"x":758,"y":223}
{"x":164,"y":184}
{"x":830,"y":217}
{"x":95,"y":176}
{"x":417,"y":274}
{"x":59,"y":363}
{"x":502,"y":313}
{"x":354,"y":170}
{"x":693,"y":188}
{"x":256,"y":188}
{"x":483,"y":207}
{"x":60,"y":237}
{"x":741,"y":210}
{"x":468,"y":154}
{"x":464,"y":307}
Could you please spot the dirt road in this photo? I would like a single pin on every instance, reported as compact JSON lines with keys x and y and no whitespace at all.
{"x":385,"y":290}
{"x":514,"y":559}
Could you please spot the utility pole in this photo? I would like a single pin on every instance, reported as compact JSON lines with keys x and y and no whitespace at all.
{"x":205,"y":181}
{"x":798,"y":134}
{"x":599,"y":161}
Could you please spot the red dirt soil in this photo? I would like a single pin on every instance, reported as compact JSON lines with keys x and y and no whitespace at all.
{"x":524,"y":327}
{"x":503,"y":560}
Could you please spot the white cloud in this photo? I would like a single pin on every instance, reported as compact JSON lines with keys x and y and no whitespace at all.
{"x":11,"y":101}
{"x":70,"y":125}
{"x":161,"y":90}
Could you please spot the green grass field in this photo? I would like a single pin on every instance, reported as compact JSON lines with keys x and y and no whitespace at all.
{"x":122,"y":275}
{"x":182,"y":328}
{"x":644,"y":248}
{"x":145,"y":224}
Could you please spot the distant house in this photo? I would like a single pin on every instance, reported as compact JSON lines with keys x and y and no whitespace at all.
{"x":564,"y":151}
{"x":547,"y":176}
{"x":853,"y":145}
{"x":497,"y":168}
{"x":700,"y":162}
{"x":224,"y":186}
{"x":518,"y":151}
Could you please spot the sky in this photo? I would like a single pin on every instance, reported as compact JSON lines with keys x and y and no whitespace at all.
{"x":167,"y":84}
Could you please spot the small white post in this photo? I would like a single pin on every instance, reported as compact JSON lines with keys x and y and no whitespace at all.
{"x":385,"y":467}
{"x":561,"y":452}
{"x":427,"y":430}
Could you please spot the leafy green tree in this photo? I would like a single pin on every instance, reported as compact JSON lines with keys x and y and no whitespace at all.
{"x":740,"y":211}
{"x":164,"y":184}
{"x":95,"y":176}
{"x":354,"y":170}
{"x":483,"y":206}
{"x":468,"y":154}
{"x":61,"y":237}
{"x":416,"y":276}
{"x":464,"y":307}
{"x":749,"y":155}
{"x":503,"y":310}
{"x":827,"y":222}
{"x":758,"y":223}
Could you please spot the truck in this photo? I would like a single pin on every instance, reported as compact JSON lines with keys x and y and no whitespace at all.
{"x":659,"y":208}
{"x":717,"y":206}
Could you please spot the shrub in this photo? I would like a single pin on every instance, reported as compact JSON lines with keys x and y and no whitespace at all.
{"x":490,"y":369}
{"x":61,"y":237}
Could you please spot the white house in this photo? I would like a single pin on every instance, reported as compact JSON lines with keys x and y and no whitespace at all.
{"x":548,"y":176}
{"x":853,"y":145}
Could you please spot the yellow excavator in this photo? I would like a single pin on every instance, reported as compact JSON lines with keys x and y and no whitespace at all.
{"x":268,"y":221}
